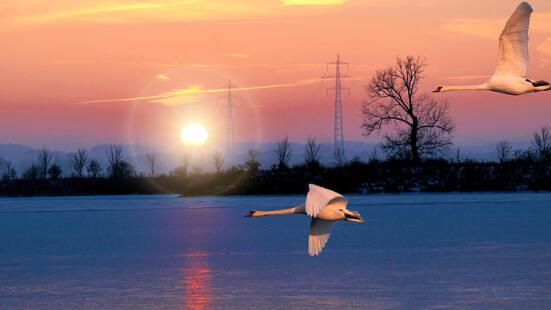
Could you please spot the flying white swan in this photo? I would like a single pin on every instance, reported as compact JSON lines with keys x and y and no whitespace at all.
{"x":512,"y":61}
{"x":325,"y":207}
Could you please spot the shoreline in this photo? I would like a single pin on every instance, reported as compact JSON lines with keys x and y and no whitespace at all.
{"x":176,"y":195}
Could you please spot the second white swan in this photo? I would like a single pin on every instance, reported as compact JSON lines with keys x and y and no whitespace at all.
{"x":325,"y":207}
{"x":512,"y":63}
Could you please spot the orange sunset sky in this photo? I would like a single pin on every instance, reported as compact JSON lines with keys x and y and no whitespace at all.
{"x":77,"y":73}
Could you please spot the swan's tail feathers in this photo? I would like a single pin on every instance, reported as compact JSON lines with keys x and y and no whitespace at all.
{"x":250,"y":214}
{"x":438,"y":89}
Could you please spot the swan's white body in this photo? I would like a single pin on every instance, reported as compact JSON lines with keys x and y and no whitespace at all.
{"x":512,"y":63}
{"x":325,"y":207}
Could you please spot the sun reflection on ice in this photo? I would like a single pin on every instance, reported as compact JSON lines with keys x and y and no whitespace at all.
{"x":197,"y":288}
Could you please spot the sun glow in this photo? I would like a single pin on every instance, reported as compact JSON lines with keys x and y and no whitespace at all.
{"x":194,"y":134}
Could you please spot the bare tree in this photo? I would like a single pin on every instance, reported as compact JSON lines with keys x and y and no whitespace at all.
{"x":118,"y":168}
{"x":218,"y":161}
{"x":526,"y":156}
{"x":32,"y":173}
{"x":114,"y":159}
{"x":504,"y":151}
{"x":55,"y":171}
{"x":422,"y":126}
{"x":283,"y":153}
{"x":312,"y":152}
{"x":151,"y":159}
{"x":542,"y":144}
{"x":114,"y":154}
{"x":373,"y":156}
{"x":93,"y":169}
{"x":196,"y":170}
{"x":182,"y":170}
{"x":458,"y":155}
{"x":44,"y":160}
{"x":9,"y":171}
{"x":253,"y":160}
{"x":78,"y":161}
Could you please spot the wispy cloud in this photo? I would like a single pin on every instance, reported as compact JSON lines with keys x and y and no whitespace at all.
{"x":313,"y":2}
{"x":239,"y":55}
{"x":190,"y":93}
{"x":488,"y":29}
{"x":158,"y":64}
{"x":466,"y":77}
{"x":100,"y":11}
{"x":182,"y":65}
{"x":33,"y":12}
{"x":37,"y":12}
{"x":162,"y":77}
{"x":544,"y":49}
{"x":74,"y":62}
{"x":491,"y":28}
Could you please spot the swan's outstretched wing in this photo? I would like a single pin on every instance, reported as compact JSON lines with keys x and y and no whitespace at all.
{"x":320,"y":231}
{"x":318,"y":198}
{"x":512,"y":59}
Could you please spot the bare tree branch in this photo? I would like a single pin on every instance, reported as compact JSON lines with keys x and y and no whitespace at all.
{"x":151,"y":159}
{"x":44,"y":160}
{"x":312,"y":152}
{"x":542,"y":144}
{"x":283,"y":152}
{"x":78,"y":161}
{"x":218,"y":161}
{"x":504,"y":151}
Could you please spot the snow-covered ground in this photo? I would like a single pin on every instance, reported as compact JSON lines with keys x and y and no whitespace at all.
{"x":142,"y":252}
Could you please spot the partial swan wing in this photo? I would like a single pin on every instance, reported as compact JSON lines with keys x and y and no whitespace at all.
{"x":320,"y":231}
{"x":512,"y":59}
{"x":318,"y":198}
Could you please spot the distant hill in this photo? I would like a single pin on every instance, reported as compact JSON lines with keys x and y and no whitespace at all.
{"x":137,"y":150}
{"x":22,"y":156}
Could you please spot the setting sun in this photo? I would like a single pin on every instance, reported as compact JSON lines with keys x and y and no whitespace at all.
{"x":194,"y":134}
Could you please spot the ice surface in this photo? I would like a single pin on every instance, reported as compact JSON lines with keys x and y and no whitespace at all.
{"x":144,"y":252}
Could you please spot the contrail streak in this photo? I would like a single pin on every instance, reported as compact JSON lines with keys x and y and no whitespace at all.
{"x":195,"y":90}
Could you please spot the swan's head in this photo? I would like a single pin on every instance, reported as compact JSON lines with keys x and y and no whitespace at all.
{"x":538,"y":86}
{"x":251,"y":213}
{"x":352,"y":216}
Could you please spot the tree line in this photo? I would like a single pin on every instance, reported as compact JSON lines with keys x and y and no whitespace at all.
{"x":511,"y":170}
{"x":82,"y":166}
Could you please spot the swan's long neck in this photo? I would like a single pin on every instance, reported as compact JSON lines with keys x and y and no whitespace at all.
{"x":295,"y":210}
{"x":482,"y":86}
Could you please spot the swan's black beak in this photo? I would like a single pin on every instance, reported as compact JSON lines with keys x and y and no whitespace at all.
{"x":438,"y":89}
{"x":250,"y":214}
{"x":353,"y":216}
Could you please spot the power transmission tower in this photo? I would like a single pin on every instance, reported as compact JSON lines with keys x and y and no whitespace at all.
{"x":338,"y":135}
{"x":229,"y":100}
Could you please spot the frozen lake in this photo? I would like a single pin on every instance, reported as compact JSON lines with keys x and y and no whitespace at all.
{"x":142,"y":252}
